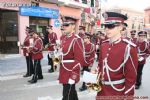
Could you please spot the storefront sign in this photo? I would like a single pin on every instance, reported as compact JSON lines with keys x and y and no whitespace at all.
{"x":39,"y":12}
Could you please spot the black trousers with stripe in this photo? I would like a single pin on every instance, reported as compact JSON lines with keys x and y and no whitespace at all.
{"x":37,"y":70}
{"x":29,"y":63}
{"x":69,"y":92}
{"x":139,"y":74}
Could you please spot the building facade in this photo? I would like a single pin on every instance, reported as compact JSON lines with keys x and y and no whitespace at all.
{"x":135,"y":18}
{"x":34,"y":13}
{"x":147,"y":20}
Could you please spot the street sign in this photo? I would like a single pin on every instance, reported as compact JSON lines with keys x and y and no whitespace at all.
{"x":56,"y":23}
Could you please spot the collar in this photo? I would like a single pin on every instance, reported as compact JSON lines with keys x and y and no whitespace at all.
{"x":115,"y":42}
{"x":69,"y":35}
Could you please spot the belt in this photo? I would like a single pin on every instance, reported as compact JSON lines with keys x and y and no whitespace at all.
{"x":140,"y":54}
{"x":67,"y":61}
{"x":113,"y":82}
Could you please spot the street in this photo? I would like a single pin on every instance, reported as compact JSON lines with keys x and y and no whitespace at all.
{"x":15,"y":87}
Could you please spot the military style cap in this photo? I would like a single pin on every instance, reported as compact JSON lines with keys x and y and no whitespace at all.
{"x":87,"y":35}
{"x":67,"y":20}
{"x":28,"y":29}
{"x":142,"y":33}
{"x":114,"y":18}
{"x":101,"y":33}
{"x":49,"y":27}
{"x":81,"y":27}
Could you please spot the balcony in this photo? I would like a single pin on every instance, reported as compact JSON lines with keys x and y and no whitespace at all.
{"x":73,"y":3}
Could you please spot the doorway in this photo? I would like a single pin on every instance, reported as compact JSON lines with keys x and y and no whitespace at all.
{"x":8,"y":32}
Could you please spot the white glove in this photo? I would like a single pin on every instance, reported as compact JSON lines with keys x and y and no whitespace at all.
{"x":71,"y":81}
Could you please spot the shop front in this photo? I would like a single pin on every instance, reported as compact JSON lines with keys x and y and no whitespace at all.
{"x":13,"y":22}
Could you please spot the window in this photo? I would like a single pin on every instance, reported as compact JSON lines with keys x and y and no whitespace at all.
{"x":132,"y":26}
{"x":84,"y":1}
{"x":92,"y":3}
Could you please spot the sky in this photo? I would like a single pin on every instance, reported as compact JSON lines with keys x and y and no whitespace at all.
{"x":138,"y":5}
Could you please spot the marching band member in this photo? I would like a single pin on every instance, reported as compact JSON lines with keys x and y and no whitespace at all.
{"x":52,"y":37}
{"x":81,"y":31}
{"x":37,"y":55}
{"x":71,"y":60}
{"x":133,"y":36}
{"x":99,"y":39}
{"x":89,"y":57}
{"x":27,"y":54}
{"x":143,"y":52}
{"x":118,"y":60}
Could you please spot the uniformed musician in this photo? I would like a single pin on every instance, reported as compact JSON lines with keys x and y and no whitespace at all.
{"x":143,"y":52}
{"x":118,"y":60}
{"x":81,"y":31}
{"x":27,"y":54}
{"x":37,"y":55}
{"x":89,"y":57}
{"x":52,"y":38}
{"x":71,"y":60}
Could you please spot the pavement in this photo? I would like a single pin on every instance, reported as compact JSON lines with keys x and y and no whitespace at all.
{"x":14,"y":87}
{"x":16,"y":64}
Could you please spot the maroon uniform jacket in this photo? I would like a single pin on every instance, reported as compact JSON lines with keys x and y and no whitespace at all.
{"x":81,"y":35}
{"x":52,"y":40}
{"x":37,"y":49}
{"x":143,"y":50}
{"x":118,"y":63}
{"x":89,"y":54}
{"x":134,"y":40}
{"x":72,"y":59}
{"x":26,"y":43}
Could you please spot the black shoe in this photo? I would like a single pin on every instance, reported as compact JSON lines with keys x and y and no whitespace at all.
{"x":50,"y":70}
{"x":26,"y":75}
{"x":137,"y":87}
{"x":32,"y":81}
{"x":82,"y":89}
{"x":40,"y":78}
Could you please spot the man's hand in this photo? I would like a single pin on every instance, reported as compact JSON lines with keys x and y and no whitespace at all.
{"x":71,"y":81}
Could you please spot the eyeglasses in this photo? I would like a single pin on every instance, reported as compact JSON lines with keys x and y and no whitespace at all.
{"x":48,"y":28}
{"x":110,"y":26}
{"x":67,"y":24}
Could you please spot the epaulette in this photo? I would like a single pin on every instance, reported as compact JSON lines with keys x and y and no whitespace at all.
{"x":129,"y":42}
{"x":107,"y":40}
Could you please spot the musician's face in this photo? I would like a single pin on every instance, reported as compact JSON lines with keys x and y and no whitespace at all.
{"x":69,"y":28}
{"x":142,"y":37}
{"x":49,"y":30}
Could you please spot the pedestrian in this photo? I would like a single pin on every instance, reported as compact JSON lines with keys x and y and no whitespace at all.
{"x":89,"y":57}
{"x":143,"y":53}
{"x":71,"y":60}
{"x":52,"y":38}
{"x":37,"y":55}
{"x":118,"y":61}
{"x":27,"y":54}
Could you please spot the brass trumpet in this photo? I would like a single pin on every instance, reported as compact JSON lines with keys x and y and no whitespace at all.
{"x":56,"y":61}
{"x":95,"y":86}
